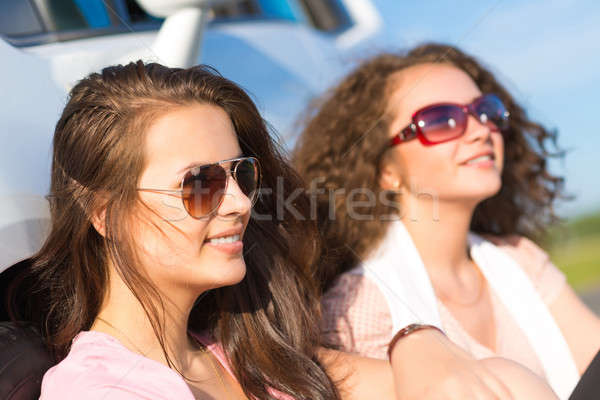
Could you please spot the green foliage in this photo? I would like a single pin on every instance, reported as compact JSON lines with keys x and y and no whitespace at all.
{"x":575,"y":248}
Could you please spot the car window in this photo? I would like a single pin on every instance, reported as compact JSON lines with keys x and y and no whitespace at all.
{"x":18,"y":18}
{"x":32,"y":22}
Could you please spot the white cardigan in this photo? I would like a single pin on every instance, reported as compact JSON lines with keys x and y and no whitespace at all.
{"x":398,"y":271}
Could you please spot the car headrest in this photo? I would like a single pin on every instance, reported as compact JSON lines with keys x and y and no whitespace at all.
{"x":23,"y":362}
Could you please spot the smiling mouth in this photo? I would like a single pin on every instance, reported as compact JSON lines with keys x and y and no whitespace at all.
{"x":224,"y":239}
{"x":479,"y":159}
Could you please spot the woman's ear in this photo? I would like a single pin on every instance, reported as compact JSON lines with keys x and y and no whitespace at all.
{"x":389,"y":176}
{"x":98,"y":217}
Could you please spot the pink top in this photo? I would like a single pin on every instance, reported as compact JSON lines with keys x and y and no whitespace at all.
{"x":356,"y":315}
{"x":99,"y":367}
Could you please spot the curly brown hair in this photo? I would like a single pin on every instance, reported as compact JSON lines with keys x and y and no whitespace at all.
{"x":346,"y":130}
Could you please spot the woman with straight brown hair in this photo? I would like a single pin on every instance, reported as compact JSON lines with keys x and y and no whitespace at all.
{"x":154,"y":174}
{"x":430,"y":182}
{"x":156,"y":280}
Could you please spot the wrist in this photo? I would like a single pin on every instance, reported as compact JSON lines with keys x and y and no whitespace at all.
{"x":412,"y":331}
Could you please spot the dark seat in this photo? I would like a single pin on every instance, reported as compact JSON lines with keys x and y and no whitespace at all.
{"x":23,"y":357}
{"x":23,"y":362}
{"x":588,"y":387}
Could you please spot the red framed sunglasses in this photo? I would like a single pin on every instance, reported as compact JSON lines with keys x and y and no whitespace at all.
{"x":442,"y":122}
{"x":203,"y":187}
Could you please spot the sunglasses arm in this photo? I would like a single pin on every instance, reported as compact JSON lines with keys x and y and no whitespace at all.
{"x":170,"y":192}
{"x":408,"y":133}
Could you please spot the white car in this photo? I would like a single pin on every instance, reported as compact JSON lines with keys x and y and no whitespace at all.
{"x":282,"y":51}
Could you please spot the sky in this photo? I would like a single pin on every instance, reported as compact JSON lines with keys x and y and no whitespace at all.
{"x":546,"y":52}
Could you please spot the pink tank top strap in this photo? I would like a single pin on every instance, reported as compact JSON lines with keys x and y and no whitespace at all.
{"x":217,"y":350}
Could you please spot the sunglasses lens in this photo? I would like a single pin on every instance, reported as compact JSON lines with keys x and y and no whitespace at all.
{"x":247,"y":177}
{"x":491,"y":111}
{"x":441,"y":123}
{"x":203,"y":189}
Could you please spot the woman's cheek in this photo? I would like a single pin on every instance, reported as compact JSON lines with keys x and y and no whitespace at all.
{"x":499,"y":151}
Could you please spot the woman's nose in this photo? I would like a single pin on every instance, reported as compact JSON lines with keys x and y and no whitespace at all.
{"x":235,"y":202}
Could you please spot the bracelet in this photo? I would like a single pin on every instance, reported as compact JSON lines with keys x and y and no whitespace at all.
{"x":407,"y":331}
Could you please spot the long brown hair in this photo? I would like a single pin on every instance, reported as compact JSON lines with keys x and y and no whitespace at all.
{"x":346,"y":130}
{"x":267,"y":324}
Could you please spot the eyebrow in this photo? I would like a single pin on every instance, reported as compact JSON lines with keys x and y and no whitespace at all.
{"x":192,"y":165}
{"x":200,"y":163}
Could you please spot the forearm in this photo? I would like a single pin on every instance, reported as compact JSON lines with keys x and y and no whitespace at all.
{"x":522,"y":383}
{"x":419,"y":361}
{"x":452,"y":373}
{"x":426,"y":365}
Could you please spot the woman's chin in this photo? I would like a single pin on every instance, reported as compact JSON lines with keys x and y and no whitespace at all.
{"x":472,"y":195}
{"x":229,"y":273}
{"x":484,"y":189}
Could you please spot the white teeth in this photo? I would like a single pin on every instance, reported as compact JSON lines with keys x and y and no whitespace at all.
{"x":479,"y":159}
{"x":225,"y":239}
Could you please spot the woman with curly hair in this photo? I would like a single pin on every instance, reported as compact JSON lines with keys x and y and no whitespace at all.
{"x":430,"y":182}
